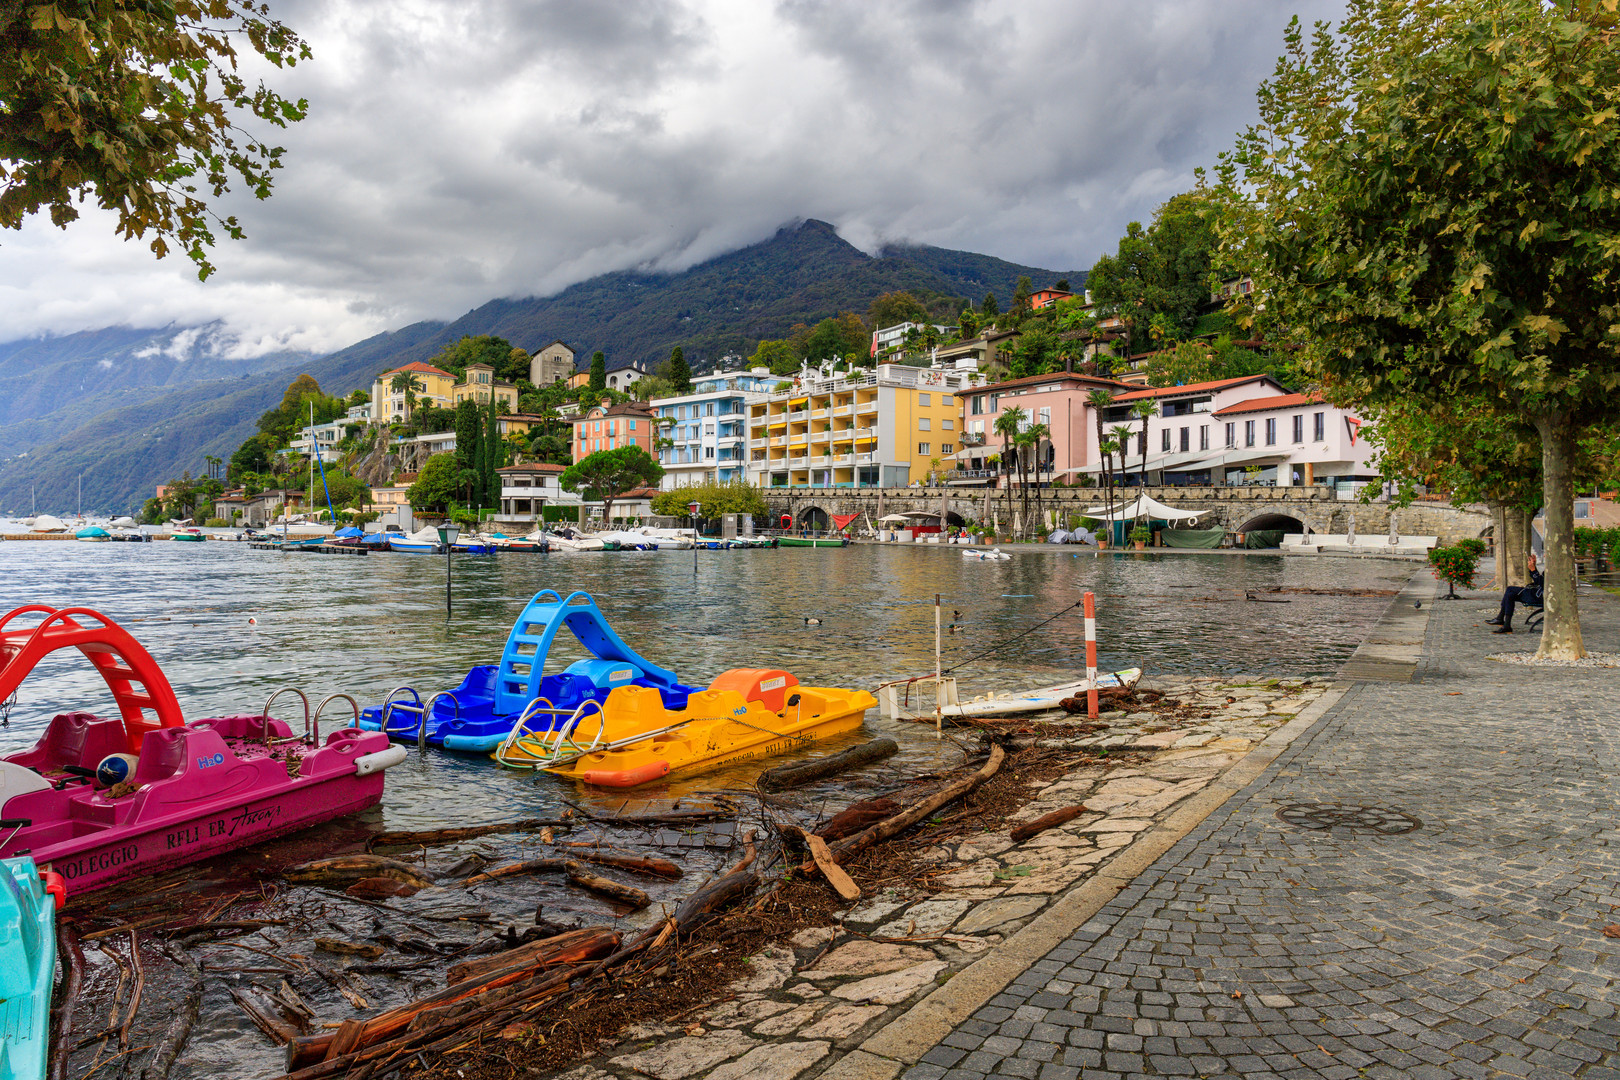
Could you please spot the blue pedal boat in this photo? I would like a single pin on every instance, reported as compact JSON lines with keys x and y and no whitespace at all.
{"x":27,"y":968}
{"x":478,"y":715}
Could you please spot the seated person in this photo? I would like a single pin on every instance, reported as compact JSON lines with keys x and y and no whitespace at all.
{"x":1530,"y":595}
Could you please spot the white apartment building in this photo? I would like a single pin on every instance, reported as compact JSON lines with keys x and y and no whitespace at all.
{"x":706,"y":430}
{"x":887,"y":427}
{"x":526,"y":490}
{"x":895,"y":336}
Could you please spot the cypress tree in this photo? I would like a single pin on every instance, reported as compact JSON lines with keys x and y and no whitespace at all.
{"x":989,"y":306}
{"x":493,"y":456}
{"x":467,"y":433}
{"x":680,"y":374}
{"x":598,"y":372}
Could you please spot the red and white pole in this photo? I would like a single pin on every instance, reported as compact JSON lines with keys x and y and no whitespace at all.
{"x":1091,"y":655}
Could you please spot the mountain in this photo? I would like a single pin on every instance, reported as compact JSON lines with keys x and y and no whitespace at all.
{"x":145,"y":414}
{"x":804,"y":273}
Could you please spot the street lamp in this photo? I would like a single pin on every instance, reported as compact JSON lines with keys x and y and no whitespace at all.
{"x":693,"y":508}
{"x":447,"y":536}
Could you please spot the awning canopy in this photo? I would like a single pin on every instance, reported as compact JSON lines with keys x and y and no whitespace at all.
{"x":1144,"y":506}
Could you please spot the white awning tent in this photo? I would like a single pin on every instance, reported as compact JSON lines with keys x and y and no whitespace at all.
{"x":1144,"y":506}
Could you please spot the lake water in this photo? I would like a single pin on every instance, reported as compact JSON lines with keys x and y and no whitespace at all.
{"x":365,"y":625}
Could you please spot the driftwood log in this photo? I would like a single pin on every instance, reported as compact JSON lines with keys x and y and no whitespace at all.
{"x":698,"y":908}
{"x":668,"y":817}
{"x":472,"y":832}
{"x":829,"y":868}
{"x":72,"y":957}
{"x":625,"y":894}
{"x":856,"y":817}
{"x":345,"y":870}
{"x":904,"y":820}
{"x":310,"y":1050}
{"x":567,"y":948}
{"x":799,"y":773}
{"x":265,"y":1016}
{"x":349,"y":948}
{"x":1028,"y":829}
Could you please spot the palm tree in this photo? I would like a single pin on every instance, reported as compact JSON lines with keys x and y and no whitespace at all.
{"x":1100,"y":402}
{"x":1040,"y":436}
{"x":407,"y":382}
{"x":1144,"y":409}
{"x":1122,"y":436}
{"x":1007,"y":425}
{"x":1107,"y":448}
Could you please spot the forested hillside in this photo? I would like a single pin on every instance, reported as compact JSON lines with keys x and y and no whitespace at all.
{"x":125,"y":446}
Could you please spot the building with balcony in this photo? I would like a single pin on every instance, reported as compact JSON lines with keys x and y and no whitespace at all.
{"x":608,"y":426}
{"x":889,"y":427}
{"x":1057,"y":400}
{"x":526,"y":490}
{"x":894,"y":337}
{"x":703,"y":436}
{"x":1291,"y":440}
{"x":431,"y":386}
{"x":480,"y":385}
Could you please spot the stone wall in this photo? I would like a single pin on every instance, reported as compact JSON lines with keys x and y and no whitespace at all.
{"x":1227,"y":507}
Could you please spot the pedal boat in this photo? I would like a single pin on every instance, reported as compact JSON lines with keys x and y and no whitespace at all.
{"x":478,"y":715}
{"x":195,"y":790}
{"x":635,"y":738}
{"x":27,"y":967}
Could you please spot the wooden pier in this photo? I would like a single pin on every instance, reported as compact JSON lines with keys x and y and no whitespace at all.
{"x":319,"y":549}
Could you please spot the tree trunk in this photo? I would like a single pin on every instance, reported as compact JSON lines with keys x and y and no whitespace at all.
{"x":1513,"y":549}
{"x":1561,"y":629}
{"x":1499,"y":546}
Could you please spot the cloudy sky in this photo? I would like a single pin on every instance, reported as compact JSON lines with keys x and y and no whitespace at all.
{"x":460,"y":151}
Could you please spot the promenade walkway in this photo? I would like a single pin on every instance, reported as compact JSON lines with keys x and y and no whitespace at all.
{"x":1471,"y":946}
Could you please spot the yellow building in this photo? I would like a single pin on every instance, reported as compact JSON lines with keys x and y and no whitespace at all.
{"x":873,"y":428}
{"x":481,"y":385}
{"x":433,"y":387}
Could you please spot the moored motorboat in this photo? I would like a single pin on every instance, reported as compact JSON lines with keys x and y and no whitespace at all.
{"x":27,"y":966}
{"x":477,"y":715}
{"x":93,"y":534}
{"x":424,"y":541}
{"x":569,"y":541}
{"x":813,"y":541}
{"x":101,"y":800}
{"x":993,"y":555}
{"x":189,"y":534}
{"x":636,"y":737}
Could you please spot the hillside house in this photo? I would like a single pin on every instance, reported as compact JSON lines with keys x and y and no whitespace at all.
{"x":481,"y":385}
{"x":551,"y":364}
{"x":608,"y":426}
{"x":434,"y":386}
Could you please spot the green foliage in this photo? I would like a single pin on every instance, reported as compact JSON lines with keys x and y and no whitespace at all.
{"x":598,"y":381}
{"x":135,"y":106}
{"x":1036,"y":352}
{"x":510,"y":364}
{"x":610,"y":473}
{"x":1158,"y":276}
{"x":776,"y":355}
{"x":1454,"y":565}
{"x":1199,"y":361}
{"x":253,"y":456}
{"x":345,"y":490}
{"x":1472,"y":544}
{"x":680,"y":373}
{"x":1142,"y":533}
{"x":714,"y":500}
{"x":833,"y":338}
{"x":152,"y":512}
{"x":1428,"y":207}
{"x":440,"y":481}
{"x":894,"y":308}
{"x":467,"y":424}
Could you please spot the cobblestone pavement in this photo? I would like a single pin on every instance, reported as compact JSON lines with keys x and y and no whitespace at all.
{"x":1471,"y":946}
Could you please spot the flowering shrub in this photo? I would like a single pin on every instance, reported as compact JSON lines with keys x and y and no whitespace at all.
{"x":1454,"y":565}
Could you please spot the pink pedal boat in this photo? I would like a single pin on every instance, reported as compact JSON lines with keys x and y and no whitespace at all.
{"x":191,"y":791}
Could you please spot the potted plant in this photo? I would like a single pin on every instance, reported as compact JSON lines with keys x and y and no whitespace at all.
{"x":1454,"y":566}
{"x":1140,"y":536}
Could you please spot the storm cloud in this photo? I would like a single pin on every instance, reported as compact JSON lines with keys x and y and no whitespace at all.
{"x":458,"y":152}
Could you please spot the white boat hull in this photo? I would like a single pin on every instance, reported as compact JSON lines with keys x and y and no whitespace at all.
{"x":1041,"y":699}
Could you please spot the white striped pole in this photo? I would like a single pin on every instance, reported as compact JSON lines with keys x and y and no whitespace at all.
{"x":1091,"y":655}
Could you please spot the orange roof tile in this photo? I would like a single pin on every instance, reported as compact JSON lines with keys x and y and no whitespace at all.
{"x":421,"y":368}
{"x":1192,"y":388}
{"x":1279,"y":401}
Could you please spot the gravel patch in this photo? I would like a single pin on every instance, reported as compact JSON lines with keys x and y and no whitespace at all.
{"x":1591,"y":660}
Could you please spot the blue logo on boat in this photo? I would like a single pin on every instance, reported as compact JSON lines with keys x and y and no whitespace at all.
{"x":210,"y":762}
{"x":739,"y":712}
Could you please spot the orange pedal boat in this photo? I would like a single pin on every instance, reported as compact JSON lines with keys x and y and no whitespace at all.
{"x":632,"y":738}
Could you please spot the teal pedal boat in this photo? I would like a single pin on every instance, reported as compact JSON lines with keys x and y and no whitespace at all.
{"x":27,"y":965}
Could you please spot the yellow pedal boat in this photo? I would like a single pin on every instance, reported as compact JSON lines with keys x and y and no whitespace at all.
{"x":631,"y":738}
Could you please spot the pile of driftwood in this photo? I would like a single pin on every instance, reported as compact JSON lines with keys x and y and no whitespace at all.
{"x":512,"y":988}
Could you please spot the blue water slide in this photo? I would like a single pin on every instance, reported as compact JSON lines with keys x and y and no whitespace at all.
{"x":523,"y":660}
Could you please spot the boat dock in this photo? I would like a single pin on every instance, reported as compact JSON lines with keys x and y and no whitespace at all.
{"x":320,"y":549}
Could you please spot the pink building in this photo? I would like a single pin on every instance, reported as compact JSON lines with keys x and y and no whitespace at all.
{"x":1057,"y":400}
{"x":608,"y":427}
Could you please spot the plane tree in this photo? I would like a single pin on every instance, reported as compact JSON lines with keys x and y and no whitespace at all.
{"x":1428,"y":208}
